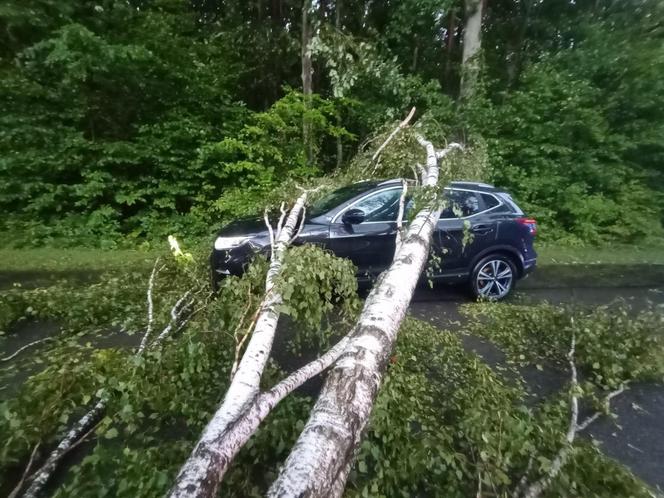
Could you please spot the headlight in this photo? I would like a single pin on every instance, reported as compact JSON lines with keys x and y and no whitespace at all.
{"x":228,"y":242}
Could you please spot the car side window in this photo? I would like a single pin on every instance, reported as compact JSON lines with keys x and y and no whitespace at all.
{"x":381,"y":206}
{"x":461,"y":203}
{"x":489,"y":201}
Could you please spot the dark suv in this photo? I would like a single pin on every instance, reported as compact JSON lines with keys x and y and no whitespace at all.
{"x":482,"y":236}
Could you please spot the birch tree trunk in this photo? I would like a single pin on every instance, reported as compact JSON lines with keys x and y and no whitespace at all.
{"x":307,"y":72}
{"x":321,"y":458}
{"x":203,"y":470}
{"x":472,"y":44}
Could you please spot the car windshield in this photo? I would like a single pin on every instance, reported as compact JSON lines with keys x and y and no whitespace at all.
{"x":337,"y":197}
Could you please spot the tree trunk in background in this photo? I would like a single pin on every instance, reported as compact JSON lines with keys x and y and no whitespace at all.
{"x":320,"y":461}
{"x":516,"y":45}
{"x":451,"y":44}
{"x":472,"y":44}
{"x":340,"y":145}
{"x":276,"y":11}
{"x":413,"y":64}
{"x":307,"y":70}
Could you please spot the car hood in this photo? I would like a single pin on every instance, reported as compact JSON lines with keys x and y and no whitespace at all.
{"x":244,"y":226}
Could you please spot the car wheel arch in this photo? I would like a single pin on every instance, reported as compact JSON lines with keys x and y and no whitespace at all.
{"x":503,"y":250}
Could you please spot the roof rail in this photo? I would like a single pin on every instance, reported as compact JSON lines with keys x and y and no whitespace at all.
{"x":477,"y":184}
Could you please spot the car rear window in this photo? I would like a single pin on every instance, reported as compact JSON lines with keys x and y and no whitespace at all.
{"x":507,"y":199}
{"x":489,"y":201}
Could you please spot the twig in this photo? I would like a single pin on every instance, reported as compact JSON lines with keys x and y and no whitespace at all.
{"x":402,"y":202}
{"x":176,"y":312}
{"x":21,"y":349}
{"x":238,"y":348}
{"x":299,"y":231}
{"x":144,"y":341}
{"x":238,"y":343}
{"x":18,"y":487}
{"x":83,"y":437}
{"x":415,"y":175}
{"x":536,"y":489}
{"x":280,"y":225}
{"x":401,"y":126}
{"x":584,"y":425}
{"x":270,"y":231}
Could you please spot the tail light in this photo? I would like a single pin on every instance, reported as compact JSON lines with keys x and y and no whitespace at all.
{"x":530,"y":223}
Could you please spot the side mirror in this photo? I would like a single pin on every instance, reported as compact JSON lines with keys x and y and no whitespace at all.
{"x":353,"y":217}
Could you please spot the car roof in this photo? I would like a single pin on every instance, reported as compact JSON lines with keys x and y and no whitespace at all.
{"x":478,"y":186}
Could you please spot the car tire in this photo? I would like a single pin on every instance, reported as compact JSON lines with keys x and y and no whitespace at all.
{"x":493,"y":277}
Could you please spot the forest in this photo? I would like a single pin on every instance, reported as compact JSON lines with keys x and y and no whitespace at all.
{"x":132,"y":130}
{"x":125,"y":121}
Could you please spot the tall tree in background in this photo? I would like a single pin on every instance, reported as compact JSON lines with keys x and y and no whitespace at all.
{"x":307,"y":73}
{"x":472,"y":44}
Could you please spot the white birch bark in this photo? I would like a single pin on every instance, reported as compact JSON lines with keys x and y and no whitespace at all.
{"x":202,"y":472}
{"x":236,"y":434}
{"x":320,"y":460}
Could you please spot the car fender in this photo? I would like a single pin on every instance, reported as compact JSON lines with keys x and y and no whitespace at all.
{"x":500,"y":248}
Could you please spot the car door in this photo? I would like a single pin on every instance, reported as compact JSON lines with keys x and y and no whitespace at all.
{"x":465,"y":228}
{"x":370,"y":244}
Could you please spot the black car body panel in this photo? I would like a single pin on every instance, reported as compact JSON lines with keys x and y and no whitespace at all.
{"x":479,"y":220}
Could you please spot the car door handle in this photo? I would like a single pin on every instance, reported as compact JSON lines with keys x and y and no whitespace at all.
{"x":481,"y":229}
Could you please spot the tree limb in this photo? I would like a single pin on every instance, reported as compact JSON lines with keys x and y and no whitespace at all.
{"x":82,"y":426}
{"x":538,"y":487}
{"x":23,"y":348}
{"x":400,"y":127}
{"x":18,"y":487}
{"x":144,"y":341}
{"x":607,"y":400}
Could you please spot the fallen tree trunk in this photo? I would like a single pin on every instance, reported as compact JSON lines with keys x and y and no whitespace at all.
{"x":202,"y":472}
{"x":321,"y":459}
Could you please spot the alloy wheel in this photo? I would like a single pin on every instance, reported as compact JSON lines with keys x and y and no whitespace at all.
{"x":494,"y":279}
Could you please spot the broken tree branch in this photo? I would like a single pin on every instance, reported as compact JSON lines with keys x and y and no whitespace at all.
{"x":535,"y":489}
{"x":238,"y":433}
{"x":17,"y":488}
{"x":400,"y":127}
{"x":23,"y":348}
{"x":83,"y":425}
{"x":607,"y":401}
{"x":148,"y":331}
{"x":199,"y":476}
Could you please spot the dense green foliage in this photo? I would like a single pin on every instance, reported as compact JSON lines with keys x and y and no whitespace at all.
{"x":443,"y":419}
{"x":128,"y":120}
